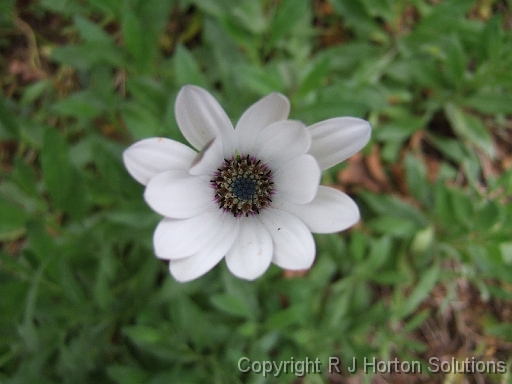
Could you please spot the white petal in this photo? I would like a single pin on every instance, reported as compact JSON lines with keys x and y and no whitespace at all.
{"x":294,"y":247}
{"x":179,"y":238}
{"x":201,"y":118}
{"x":335,"y":140}
{"x":282,"y":141}
{"x":178,"y":195}
{"x":149,"y":157}
{"x":297,"y":180}
{"x":271,"y":108}
{"x":330,"y":211}
{"x":208,"y":159}
{"x":251,"y":254}
{"x":198,"y":264}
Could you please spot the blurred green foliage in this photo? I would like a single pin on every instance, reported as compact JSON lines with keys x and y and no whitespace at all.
{"x":83,"y":298}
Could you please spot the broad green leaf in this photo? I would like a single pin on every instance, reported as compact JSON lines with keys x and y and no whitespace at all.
{"x":57,"y":170}
{"x":8,"y":124}
{"x":127,"y":374}
{"x":486,"y":216}
{"x":85,"y":55}
{"x":388,"y":277}
{"x":286,"y":317}
{"x":451,"y":148}
{"x":394,"y":207}
{"x":249,"y":14}
{"x":232,"y":305}
{"x":379,"y":253}
{"x":80,"y":104}
{"x":393,"y":226}
{"x":62,"y":180}
{"x":12,"y":220}
{"x":490,"y":101}
{"x":427,"y":281}
{"x":470,"y":128}
{"x":416,"y":176}
{"x":491,"y":39}
{"x":91,"y":31}
{"x":141,"y":122}
{"x":506,"y":252}
{"x":416,"y":320}
{"x":65,"y":7}
{"x":6,"y":12}
{"x":133,"y":33}
{"x":502,"y":331}
{"x":187,"y":69}
{"x":443,"y":18}
{"x":261,"y":80}
{"x":40,"y":241}
{"x":286,"y":16}
{"x":456,"y":60}
{"x":33,"y":91}
{"x":25,"y":176}
{"x":384,"y":8}
{"x":314,"y":77}
{"x":142,"y":334}
{"x":358,"y":18}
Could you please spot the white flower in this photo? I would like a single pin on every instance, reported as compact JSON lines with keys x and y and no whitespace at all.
{"x":252,"y":193}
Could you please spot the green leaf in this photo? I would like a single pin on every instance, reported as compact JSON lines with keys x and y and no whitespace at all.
{"x":416,"y":321}
{"x":502,"y":331}
{"x":315,"y":75}
{"x":490,"y":101}
{"x":25,"y":176}
{"x":461,"y":207}
{"x":394,"y":226}
{"x":388,"y":277}
{"x":187,"y":69}
{"x":286,"y":317}
{"x":249,"y":14}
{"x":379,"y":253}
{"x":444,"y":18}
{"x":127,"y":374}
{"x":80,"y":104}
{"x":491,"y":39}
{"x":261,"y":80}
{"x":486,"y":216}
{"x":12,"y":220}
{"x":141,"y":122}
{"x":85,"y":55}
{"x":6,"y":12}
{"x":40,"y":240}
{"x":133,"y":37}
{"x":57,"y":171}
{"x":394,"y":207}
{"x":91,"y":31}
{"x":456,"y":60}
{"x":109,"y":7}
{"x":287,"y":15}
{"x":506,"y":252}
{"x":420,"y":292}
{"x":470,"y":128}
{"x":142,"y":334}
{"x":355,"y":14}
{"x":62,"y":181}
{"x":8,"y":124}
{"x":232,"y":305}
{"x":34,"y":91}
{"x":416,"y":176}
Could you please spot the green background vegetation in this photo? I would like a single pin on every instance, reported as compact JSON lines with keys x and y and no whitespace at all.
{"x":427,"y":272}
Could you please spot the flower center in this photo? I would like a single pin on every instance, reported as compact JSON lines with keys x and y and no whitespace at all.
{"x":243,"y":185}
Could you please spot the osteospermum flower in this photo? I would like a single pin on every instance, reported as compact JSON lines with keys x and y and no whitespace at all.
{"x":251,"y":193}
